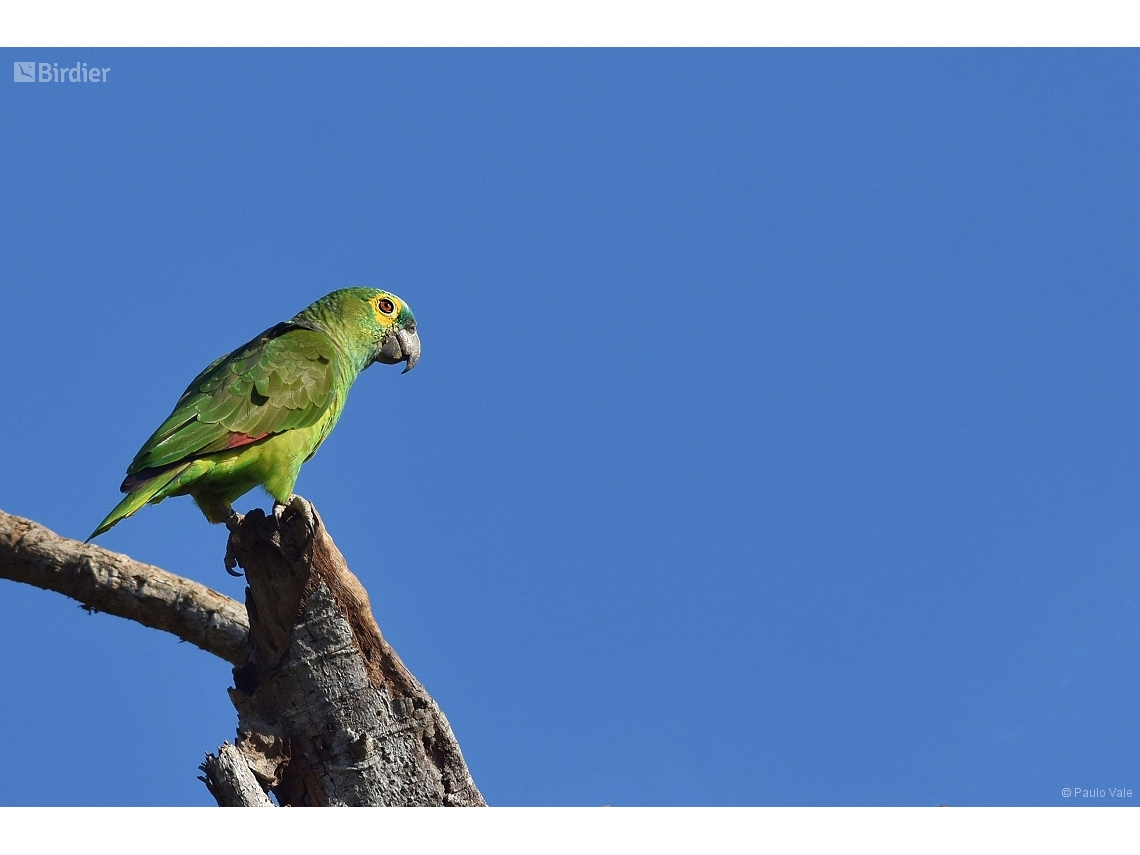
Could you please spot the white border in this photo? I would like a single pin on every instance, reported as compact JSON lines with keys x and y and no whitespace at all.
{"x":559,"y":23}
{"x":553,"y":831}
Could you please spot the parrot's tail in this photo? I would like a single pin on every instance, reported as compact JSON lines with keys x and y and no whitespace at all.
{"x":148,"y":491}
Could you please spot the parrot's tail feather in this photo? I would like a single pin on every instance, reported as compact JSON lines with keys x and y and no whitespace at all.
{"x":144,"y":492}
{"x":134,"y":482}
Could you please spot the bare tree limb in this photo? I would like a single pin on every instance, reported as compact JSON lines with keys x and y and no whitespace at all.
{"x":230,"y":781}
{"x":118,"y":585}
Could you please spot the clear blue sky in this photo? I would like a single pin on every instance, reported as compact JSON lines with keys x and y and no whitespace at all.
{"x":775,"y":440}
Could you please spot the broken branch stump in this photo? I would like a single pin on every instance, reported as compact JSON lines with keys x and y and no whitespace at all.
{"x":327,"y":712}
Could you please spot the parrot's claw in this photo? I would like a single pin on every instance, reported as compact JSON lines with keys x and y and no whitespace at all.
{"x":231,"y":559}
{"x":306,"y":512}
{"x":300,"y":513}
{"x":233,"y":523}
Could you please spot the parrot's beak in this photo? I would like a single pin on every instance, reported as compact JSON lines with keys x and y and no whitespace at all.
{"x":410,"y":345}
{"x":401,"y":346}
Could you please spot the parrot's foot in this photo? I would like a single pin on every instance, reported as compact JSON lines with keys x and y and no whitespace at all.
{"x":302,"y":512}
{"x":306,"y":511}
{"x":233,"y":522}
{"x":279,"y":507}
{"x":231,"y":558}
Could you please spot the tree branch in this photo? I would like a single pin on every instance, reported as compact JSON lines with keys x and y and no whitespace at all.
{"x":327,"y":712}
{"x":118,"y":585}
{"x":230,"y":780}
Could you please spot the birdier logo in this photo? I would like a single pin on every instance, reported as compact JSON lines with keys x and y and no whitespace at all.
{"x":51,"y":72}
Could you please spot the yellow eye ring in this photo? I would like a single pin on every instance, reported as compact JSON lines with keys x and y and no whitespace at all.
{"x":385,"y":305}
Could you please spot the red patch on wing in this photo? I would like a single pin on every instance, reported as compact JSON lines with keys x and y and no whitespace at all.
{"x":239,"y":439}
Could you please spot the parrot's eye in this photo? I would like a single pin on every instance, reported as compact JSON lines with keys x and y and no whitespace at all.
{"x":386,"y":306}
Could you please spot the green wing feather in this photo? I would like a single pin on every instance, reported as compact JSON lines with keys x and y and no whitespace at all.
{"x":283,"y":379}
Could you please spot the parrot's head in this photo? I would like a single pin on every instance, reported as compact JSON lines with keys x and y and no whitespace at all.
{"x":377,"y":326}
{"x":394,"y":336}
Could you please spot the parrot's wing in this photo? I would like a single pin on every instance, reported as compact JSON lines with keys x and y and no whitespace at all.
{"x":283,"y":379}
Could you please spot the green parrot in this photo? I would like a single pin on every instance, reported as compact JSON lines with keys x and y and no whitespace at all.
{"x":255,"y":415}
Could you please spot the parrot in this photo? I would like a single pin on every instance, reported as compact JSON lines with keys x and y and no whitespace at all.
{"x":252,"y":417}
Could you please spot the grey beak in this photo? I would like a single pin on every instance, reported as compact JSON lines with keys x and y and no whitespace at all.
{"x":403,"y":346}
{"x":410,"y":345}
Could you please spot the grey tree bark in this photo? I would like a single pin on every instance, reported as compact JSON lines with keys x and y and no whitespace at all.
{"x":327,"y":712}
{"x":106,"y":581}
